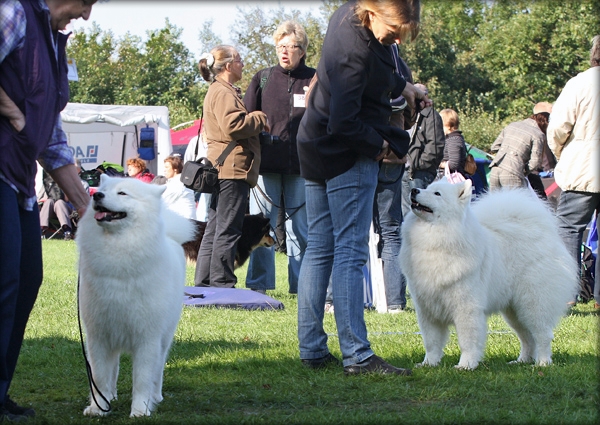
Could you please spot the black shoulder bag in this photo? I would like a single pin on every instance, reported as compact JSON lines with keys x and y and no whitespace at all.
{"x":200,"y":175}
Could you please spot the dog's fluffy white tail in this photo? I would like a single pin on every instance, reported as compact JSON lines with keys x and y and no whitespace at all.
{"x":177,"y":227}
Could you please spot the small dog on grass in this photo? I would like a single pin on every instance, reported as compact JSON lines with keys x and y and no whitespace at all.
{"x":255,"y":233}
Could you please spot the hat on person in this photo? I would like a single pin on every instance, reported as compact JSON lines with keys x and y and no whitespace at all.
{"x":542,"y":107}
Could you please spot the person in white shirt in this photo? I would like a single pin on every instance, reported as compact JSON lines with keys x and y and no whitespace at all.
{"x":177,"y":197}
{"x":197,"y":149}
{"x":574,"y":138}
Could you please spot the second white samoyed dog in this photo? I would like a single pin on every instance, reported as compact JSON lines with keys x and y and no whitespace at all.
{"x":132,"y":274}
{"x":466,"y":261}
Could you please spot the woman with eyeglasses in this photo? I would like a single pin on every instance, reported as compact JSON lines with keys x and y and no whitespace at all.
{"x":227,"y":121}
{"x":279,"y":92}
{"x":343,"y":135}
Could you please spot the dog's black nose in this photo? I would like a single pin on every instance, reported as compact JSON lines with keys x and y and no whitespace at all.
{"x":414,"y":191}
{"x":98,"y":195}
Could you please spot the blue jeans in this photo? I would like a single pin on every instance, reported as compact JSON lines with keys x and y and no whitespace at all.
{"x":574,"y":212}
{"x":261,"y":268}
{"x":387,"y":218}
{"x":20,"y":278}
{"x":339,"y":213}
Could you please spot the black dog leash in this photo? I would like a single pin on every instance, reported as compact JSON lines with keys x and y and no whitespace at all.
{"x":287,"y":216}
{"x":88,"y":367}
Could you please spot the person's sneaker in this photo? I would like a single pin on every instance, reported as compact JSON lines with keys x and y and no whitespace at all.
{"x":375,"y":364}
{"x":328,"y":307}
{"x":68,"y":236}
{"x":395,"y":309}
{"x":260,"y":291}
{"x":14,"y":409}
{"x":7,"y":417}
{"x":322,"y":362}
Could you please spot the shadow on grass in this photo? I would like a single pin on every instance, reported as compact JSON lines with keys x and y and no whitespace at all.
{"x":241,"y":382}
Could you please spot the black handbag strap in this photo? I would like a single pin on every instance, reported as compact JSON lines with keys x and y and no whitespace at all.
{"x":228,"y":149}
{"x":199,"y":131}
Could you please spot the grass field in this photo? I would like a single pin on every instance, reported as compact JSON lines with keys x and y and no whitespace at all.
{"x":242,"y":367}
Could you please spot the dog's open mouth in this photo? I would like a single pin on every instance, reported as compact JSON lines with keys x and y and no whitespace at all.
{"x":416,"y":206}
{"x":103,"y":214}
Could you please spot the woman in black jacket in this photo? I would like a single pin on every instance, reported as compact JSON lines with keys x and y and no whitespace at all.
{"x":279,"y":92}
{"x":343,"y":135}
{"x":455,"y":149}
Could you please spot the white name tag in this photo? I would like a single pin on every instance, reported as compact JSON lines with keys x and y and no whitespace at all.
{"x":299,"y":100}
{"x":72,"y":70}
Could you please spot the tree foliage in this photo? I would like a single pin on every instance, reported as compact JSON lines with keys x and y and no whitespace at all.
{"x":493,"y":59}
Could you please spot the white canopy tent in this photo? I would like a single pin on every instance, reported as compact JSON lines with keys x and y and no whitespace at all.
{"x":111,"y":133}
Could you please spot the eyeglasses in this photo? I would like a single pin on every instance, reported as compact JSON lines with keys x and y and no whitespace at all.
{"x":288,"y":47}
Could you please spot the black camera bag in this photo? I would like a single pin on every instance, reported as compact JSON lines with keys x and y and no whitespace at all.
{"x":200,"y":175}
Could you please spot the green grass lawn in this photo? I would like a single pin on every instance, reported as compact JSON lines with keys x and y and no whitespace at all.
{"x":242,"y":367}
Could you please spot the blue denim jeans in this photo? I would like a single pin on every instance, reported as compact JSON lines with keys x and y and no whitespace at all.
{"x":261,"y":268}
{"x":574,"y":212}
{"x":387,"y":218}
{"x":339,"y":213}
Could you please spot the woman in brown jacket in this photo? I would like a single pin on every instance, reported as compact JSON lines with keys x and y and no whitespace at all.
{"x":226,"y":121}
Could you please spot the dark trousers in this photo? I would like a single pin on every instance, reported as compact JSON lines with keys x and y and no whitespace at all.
{"x":216,"y":256}
{"x":20,"y":278}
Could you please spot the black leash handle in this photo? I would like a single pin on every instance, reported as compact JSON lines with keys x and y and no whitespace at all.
{"x":88,"y":367}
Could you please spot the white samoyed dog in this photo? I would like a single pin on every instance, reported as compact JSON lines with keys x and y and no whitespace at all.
{"x":132,"y":273}
{"x":465,"y":261}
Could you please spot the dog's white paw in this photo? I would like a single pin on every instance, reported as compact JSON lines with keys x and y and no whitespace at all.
{"x":543,"y":362}
{"x":93,"y":410}
{"x":141,"y":409}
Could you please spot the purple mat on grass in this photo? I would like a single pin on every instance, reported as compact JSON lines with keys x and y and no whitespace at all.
{"x":197,"y":296}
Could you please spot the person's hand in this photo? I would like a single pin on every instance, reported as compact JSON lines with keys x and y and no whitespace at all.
{"x":18,"y":123}
{"x":416,"y":99}
{"x":81,"y":210}
{"x":385,"y":149}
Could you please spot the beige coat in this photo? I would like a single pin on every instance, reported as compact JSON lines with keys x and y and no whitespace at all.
{"x":226,"y":120}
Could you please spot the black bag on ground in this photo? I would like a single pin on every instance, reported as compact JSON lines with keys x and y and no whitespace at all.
{"x":200,"y":176}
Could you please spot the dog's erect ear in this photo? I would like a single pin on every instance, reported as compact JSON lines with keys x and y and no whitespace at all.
{"x":465,"y":191}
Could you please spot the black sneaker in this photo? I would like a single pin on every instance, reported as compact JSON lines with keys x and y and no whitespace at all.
{"x":322,"y":362}
{"x":14,"y":409}
{"x":6,"y":416}
{"x":375,"y":364}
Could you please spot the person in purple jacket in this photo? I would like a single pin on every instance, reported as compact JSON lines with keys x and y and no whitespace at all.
{"x":33,"y":90}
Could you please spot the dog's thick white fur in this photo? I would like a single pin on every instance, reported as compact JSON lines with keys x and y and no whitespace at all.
{"x":465,"y":261}
{"x":132,"y":274}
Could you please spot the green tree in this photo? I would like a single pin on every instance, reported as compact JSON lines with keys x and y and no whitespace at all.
{"x":531,"y":49}
{"x":93,"y":53}
{"x":160,"y":71}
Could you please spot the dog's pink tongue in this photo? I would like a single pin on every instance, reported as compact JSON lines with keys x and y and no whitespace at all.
{"x":100,"y":215}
